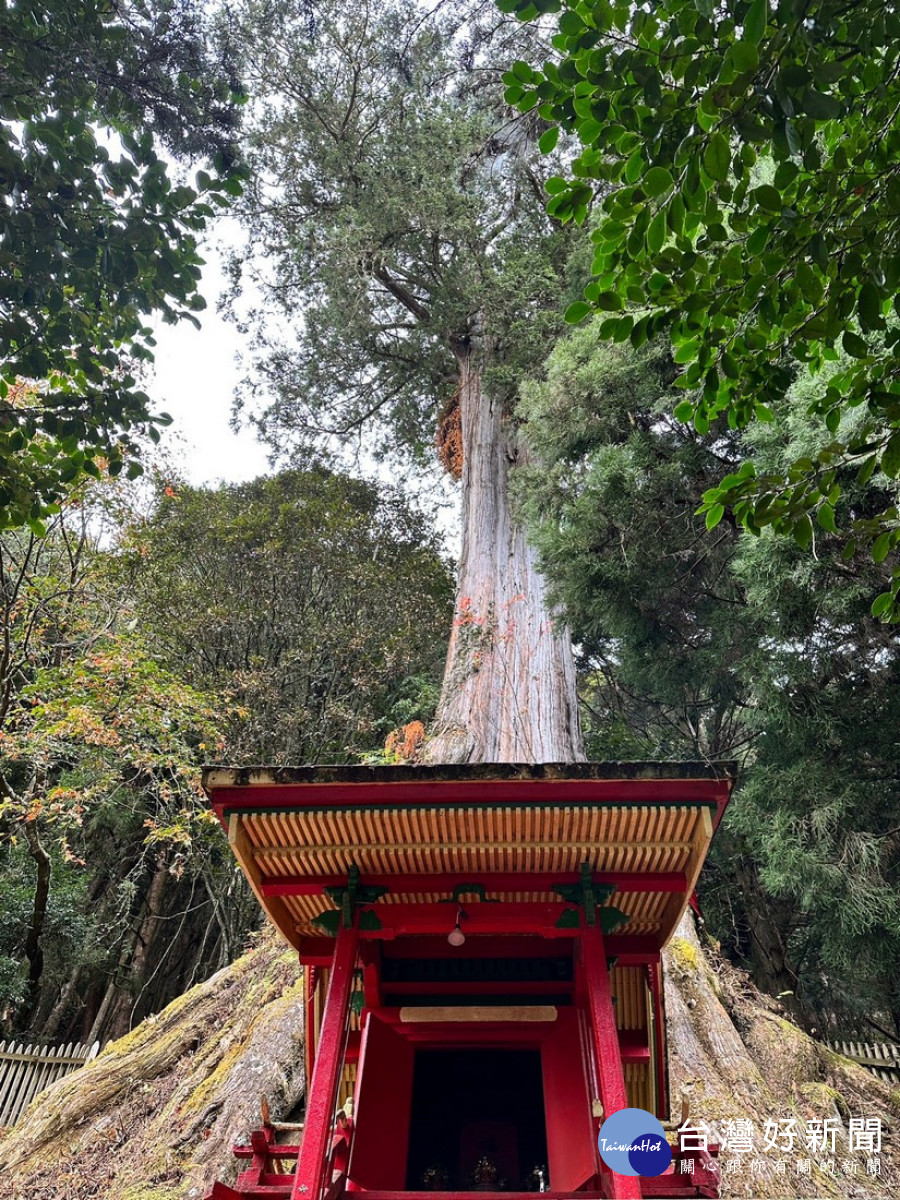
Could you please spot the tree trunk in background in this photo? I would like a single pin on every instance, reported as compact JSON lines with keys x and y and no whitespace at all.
{"x":509,"y":686}
{"x":126,"y":1001}
{"x":34,"y":950}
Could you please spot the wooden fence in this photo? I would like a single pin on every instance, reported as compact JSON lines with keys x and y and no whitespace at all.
{"x":27,"y":1070}
{"x":881,"y":1058}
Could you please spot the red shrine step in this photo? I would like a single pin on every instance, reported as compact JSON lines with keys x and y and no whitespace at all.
{"x":663,"y":1188}
{"x":666,"y":1187}
{"x":280,"y":1191}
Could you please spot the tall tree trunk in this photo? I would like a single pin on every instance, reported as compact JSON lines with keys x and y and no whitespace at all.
{"x":126,"y":1002}
{"x":509,"y":685}
{"x":34,"y":950}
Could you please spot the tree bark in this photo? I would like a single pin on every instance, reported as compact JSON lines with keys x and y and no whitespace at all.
{"x":127,"y":999}
{"x":34,"y":951}
{"x":508,"y":693}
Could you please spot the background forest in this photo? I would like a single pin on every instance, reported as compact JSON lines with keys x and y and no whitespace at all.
{"x":396,"y":209}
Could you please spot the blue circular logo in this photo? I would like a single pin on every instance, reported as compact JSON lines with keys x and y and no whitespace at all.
{"x":633,"y":1142}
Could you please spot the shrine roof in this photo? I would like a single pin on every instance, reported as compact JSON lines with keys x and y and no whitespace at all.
{"x":519,"y":830}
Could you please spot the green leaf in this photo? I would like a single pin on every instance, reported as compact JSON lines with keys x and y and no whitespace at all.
{"x":717,"y":157}
{"x":744,"y":56}
{"x":656,"y":181}
{"x":881,"y":546}
{"x":803,"y":531}
{"x":890,"y":459}
{"x":855,"y":345}
{"x":769,"y":198}
{"x":825,"y":517}
{"x":882,"y":604}
{"x":656,"y":234}
{"x":571,"y":24}
{"x":820,"y":106}
{"x":549,"y":139}
{"x":686,"y":351}
{"x":714,"y":516}
{"x":577,"y":312}
{"x":755,"y":21}
{"x":869,"y":308}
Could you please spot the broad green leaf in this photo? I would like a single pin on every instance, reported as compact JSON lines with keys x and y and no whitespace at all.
{"x":717,"y":157}
{"x":825,"y":517}
{"x":656,"y":181}
{"x":869,"y":308}
{"x":755,"y":21}
{"x":854,"y":344}
{"x":803,"y":531}
{"x":656,"y":234}
{"x":768,"y":197}
{"x":714,"y":516}
{"x":744,"y":56}
{"x":577,"y":312}
{"x":549,"y":139}
{"x":881,"y":546}
{"x":882,"y":604}
{"x":890,"y":459}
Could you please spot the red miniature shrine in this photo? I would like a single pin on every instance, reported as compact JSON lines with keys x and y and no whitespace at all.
{"x":482,"y":953}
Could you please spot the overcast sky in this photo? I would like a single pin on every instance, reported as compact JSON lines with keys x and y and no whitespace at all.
{"x":195,"y":377}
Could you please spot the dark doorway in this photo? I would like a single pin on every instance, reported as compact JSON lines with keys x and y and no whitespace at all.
{"x":472,"y":1107}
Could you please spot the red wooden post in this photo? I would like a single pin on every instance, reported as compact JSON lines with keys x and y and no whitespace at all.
{"x":310,"y":1011}
{"x":311,"y":1165}
{"x":606,"y":1046}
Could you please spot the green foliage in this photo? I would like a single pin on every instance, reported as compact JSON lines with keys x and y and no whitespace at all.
{"x":725,"y":644}
{"x":322,"y":612}
{"x":396,"y":216}
{"x":95,"y":236}
{"x":745,"y":156}
{"x":71,"y":931}
{"x":299,"y":617}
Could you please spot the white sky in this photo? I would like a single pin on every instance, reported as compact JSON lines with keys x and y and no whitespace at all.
{"x":194,"y":380}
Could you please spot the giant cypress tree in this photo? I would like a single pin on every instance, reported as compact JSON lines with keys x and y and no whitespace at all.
{"x":398,"y":214}
{"x":419,"y":270}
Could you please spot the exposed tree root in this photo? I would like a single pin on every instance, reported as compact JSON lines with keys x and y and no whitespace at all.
{"x":155,"y":1116}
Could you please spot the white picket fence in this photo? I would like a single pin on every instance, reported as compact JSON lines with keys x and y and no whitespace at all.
{"x":881,"y":1058}
{"x":27,"y":1070}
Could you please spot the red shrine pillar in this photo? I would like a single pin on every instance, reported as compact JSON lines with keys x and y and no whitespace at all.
{"x":310,"y":1180}
{"x":606,"y":1046}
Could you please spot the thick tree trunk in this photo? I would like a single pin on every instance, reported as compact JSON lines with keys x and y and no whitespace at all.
{"x":509,"y":686}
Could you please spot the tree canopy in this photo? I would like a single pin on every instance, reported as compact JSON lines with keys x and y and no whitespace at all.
{"x":294,"y":618}
{"x":744,"y":158}
{"x":396,"y":214}
{"x":96,"y":235}
{"x":720,"y":645}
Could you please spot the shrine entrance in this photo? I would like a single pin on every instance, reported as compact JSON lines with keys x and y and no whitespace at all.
{"x":477,"y":1121}
{"x":481,"y":944}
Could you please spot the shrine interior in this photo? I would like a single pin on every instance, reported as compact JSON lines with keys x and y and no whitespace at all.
{"x":477,"y":1106}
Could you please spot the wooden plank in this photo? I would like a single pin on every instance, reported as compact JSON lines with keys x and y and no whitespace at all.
{"x":478,"y":1014}
{"x":677,"y":905}
{"x":313,"y":850}
{"x":503,"y":881}
{"x":244,"y":852}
